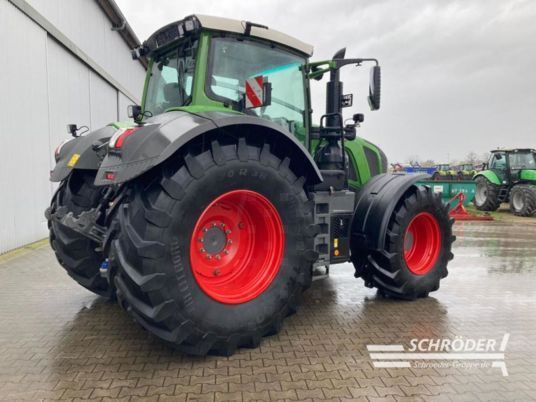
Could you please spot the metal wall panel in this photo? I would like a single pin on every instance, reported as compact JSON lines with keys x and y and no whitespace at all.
{"x":122,"y":105}
{"x":68,"y":93}
{"x":89,"y":28}
{"x":103,"y":100}
{"x":44,"y":87}
{"x":24,"y":128}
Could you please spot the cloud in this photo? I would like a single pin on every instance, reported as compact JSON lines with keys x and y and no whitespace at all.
{"x":457,"y":75}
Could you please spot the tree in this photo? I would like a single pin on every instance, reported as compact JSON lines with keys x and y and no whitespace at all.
{"x":413,"y":160}
{"x":428,"y":163}
{"x":471,"y":158}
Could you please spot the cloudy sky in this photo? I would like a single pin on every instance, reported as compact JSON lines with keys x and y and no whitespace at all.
{"x":458,"y":76}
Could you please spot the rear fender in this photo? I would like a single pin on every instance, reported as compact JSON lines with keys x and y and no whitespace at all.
{"x":168,"y":133}
{"x":78,"y":153}
{"x":375,"y":202}
{"x":490,"y":175}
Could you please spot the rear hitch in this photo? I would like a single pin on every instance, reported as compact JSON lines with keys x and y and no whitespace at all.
{"x":85,"y":223}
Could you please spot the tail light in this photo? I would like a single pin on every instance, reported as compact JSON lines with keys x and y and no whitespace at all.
{"x":119,"y":137}
{"x":59,"y":147}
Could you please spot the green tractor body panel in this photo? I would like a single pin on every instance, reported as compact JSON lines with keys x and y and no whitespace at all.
{"x":490,"y":175}
{"x":528,"y":175}
{"x":366,"y":161}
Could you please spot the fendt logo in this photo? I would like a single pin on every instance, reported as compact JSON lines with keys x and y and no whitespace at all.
{"x":442,"y":353}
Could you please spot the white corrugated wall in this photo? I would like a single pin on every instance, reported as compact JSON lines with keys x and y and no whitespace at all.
{"x":43,"y":87}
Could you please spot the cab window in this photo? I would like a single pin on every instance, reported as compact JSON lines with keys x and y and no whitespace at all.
{"x":498,"y":161}
{"x":234,"y":61}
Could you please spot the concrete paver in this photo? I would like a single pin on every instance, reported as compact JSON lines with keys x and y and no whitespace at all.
{"x":60,"y":342}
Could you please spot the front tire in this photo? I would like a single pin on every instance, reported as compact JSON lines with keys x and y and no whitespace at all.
{"x":195,"y":240}
{"x":75,"y":252}
{"x":523,"y":200}
{"x":486,"y":195}
{"x":417,"y":248}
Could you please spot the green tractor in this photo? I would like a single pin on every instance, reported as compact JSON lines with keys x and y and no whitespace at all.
{"x":209,"y":213}
{"x":509,"y":176}
{"x":466,"y":171}
{"x":444,"y":172}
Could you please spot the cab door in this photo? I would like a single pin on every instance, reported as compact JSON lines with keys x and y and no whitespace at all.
{"x":499,"y":165}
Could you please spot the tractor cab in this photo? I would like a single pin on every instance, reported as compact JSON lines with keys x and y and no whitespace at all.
{"x":203,"y":63}
{"x":225,"y":64}
{"x":512,"y":165}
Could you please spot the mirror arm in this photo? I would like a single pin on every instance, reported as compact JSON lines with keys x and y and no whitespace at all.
{"x":343,"y":62}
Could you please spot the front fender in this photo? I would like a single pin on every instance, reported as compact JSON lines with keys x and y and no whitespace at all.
{"x":375,"y":202}
{"x":490,"y":175}
{"x":164,"y":135}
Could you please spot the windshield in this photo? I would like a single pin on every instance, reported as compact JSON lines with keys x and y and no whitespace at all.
{"x":520,"y":160}
{"x":170,"y":82}
{"x":234,"y":61}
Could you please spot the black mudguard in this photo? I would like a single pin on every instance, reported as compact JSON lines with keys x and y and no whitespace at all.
{"x":164,"y":134}
{"x":79,"y":154}
{"x":375,"y":202}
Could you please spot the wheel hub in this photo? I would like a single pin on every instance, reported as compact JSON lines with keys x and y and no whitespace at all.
{"x":422,"y":243}
{"x":237,"y":246}
{"x":215,"y":239}
{"x":481,"y":194}
{"x":518,"y":201}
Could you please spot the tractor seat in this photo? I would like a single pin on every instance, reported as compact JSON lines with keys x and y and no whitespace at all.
{"x":332,"y":179}
{"x":172,"y":94}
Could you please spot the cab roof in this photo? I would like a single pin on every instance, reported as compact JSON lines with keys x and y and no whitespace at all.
{"x":181,"y":28}
{"x":514,"y":150}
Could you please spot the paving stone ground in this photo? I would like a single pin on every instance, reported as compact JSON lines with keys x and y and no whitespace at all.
{"x":60,"y":342}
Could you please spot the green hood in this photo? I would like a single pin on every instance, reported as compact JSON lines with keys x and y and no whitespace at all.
{"x":529,"y":175}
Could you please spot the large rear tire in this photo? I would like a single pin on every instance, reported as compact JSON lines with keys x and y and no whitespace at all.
{"x":215,"y":251}
{"x":523,"y":200}
{"x":417,"y":248}
{"x":75,"y":252}
{"x":486,"y":195}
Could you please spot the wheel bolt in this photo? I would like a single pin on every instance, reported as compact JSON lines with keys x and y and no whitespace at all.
{"x":216,"y":272}
{"x":205,"y":230}
{"x":218,"y":257}
{"x":209,"y":257}
{"x":213,"y":225}
{"x":202,"y":250}
{"x":225,"y":251}
{"x":229,"y":241}
{"x":201,"y":239}
{"x":227,"y":231}
{"x":241,"y":225}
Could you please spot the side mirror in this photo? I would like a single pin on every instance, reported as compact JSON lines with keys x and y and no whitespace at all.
{"x":134,"y":112}
{"x":258,"y":92}
{"x":375,"y":88}
{"x":358,"y":118}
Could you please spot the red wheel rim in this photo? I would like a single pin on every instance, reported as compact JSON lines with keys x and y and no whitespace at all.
{"x":422,"y":243}
{"x":237,"y":247}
